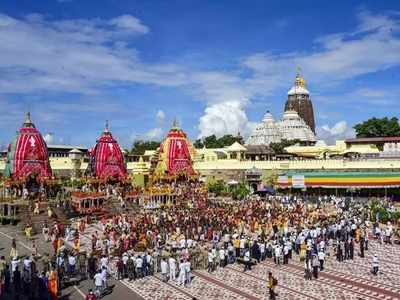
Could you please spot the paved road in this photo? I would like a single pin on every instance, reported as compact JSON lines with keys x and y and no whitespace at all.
{"x":350,"y":280}
{"x":24,"y":246}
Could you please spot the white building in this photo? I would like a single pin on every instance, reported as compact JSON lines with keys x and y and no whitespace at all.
{"x":291,"y":127}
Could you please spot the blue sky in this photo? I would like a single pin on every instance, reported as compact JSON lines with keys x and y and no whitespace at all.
{"x":216,"y":66}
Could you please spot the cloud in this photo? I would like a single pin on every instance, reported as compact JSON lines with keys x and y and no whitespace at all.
{"x":80,"y":55}
{"x":337,"y":56}
{"x":89,"y":56}
{"x":223,"y":118}
{"x":160,"y":116}
{"x":153,"y":134}
{"x":130,"y":23}
{"x":338,"y":131}
{"x":49,"y":138}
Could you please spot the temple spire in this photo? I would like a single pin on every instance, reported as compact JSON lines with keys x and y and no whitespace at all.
{"x":299,"y":81}
{"x":106,"y":128}
{"x":28,"y":122}
{"x":175,"y":124}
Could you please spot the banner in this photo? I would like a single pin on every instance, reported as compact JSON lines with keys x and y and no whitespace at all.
{"x":283,"y":180}
{"x":298,"y":181}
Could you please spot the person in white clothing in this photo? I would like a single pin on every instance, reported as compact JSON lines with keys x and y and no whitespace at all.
{"x":222,"y":257}
{"x":375,"y":265}
{"x":247,"y":263}
{"x":139,"y":266}
{"x":172,"y":268}
{"x":321,"y":258}
{"x":210,"y":267}
{"x":188,"y":272}
{"x":164,"y":270}
{"x":98,"y":282}
{"x":182,"y":273}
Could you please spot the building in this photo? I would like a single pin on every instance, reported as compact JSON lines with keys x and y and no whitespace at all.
{"x":291,"y":127}
{"x":299,"y":101}
{"x":266,"y":132}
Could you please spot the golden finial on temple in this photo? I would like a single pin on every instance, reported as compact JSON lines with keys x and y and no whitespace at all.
{"x":299,"y":78}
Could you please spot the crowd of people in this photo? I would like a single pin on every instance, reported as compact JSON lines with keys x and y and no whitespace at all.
{"x":171,"y":241}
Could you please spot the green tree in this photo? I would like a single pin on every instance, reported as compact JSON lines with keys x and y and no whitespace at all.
{"x":239,"y":191}
{"x":279,"y":148}
{"x":139,"y":147}
{"x":198,"y":144}
{"x":217,"y":187}
{"x":376,"y":127}
{"x":270,"y":177}
{"x":213,"y":142}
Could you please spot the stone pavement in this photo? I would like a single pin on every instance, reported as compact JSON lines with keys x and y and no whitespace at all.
{"x":350,"y":280}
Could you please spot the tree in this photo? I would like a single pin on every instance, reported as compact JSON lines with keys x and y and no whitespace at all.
{"x":376,"y":127}
{"x":216,"y":187}
{"x":213,"y":142}
{"x":270,"y":177}
{"x":239,"y":191}
{"x":139,"y":147}
{"x":279,"y":148}
{"x":198,"y":144}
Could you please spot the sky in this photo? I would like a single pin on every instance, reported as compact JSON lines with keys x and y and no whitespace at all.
{"x":216,"y":66}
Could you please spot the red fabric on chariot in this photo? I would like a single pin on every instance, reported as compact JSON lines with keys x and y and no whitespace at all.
{"x":108,"y":158}
{"x":179,"y":160}
{"x":30,"y":156}
{"x":175,"y":155}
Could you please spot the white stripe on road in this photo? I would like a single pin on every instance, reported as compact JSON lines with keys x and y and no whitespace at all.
{"x":10,"y":237}
{"x":80,"y":292}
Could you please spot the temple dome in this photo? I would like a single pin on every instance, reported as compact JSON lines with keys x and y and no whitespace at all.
{"x":265,"y":132}
{"x":27,"y":154}
{"x":268,"y":117}
{"x":291,"y":127}
{"x":106,"y":159}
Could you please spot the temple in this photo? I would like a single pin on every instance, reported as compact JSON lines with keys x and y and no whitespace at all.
{"x":299,"y":101}
{"x":175,"y":156}
{"x":106,"y":158}
{"x":291,"y":127}
{"x":27,"y":155}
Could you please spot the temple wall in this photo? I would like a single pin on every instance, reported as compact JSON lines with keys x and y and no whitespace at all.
{"x":333,"y":164}
{"x":231,"y":168}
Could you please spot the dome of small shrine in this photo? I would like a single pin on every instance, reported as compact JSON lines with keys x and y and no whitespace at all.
{"x":27,"y":154}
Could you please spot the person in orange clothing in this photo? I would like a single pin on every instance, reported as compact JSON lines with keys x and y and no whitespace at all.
{"x":53,"y":285}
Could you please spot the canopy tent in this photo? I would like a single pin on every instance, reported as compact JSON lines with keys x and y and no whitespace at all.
{"x":342,"y":179}
{"x":233,"y":182}
{"x":27,"y":155}
{"x":106,"y":158}
{"x":175,"y":156}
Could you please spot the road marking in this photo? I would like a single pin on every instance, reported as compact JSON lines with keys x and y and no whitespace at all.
{"x":21,"y":243}
{"x":80,"y":292}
